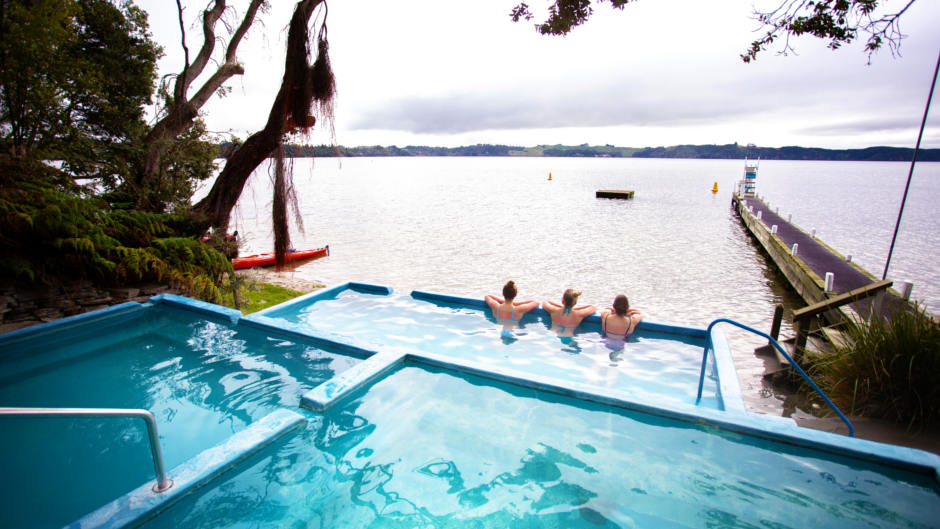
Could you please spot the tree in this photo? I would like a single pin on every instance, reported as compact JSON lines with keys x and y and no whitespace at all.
{"x":181,"y":107}
{"x":838,"y":21}
{"x":74,"y":77}
{"x":305,"y":89}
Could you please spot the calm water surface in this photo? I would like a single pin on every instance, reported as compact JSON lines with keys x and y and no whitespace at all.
{"x":466,"y":225}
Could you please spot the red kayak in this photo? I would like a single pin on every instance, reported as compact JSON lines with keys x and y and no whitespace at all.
{"x":267,"y":259}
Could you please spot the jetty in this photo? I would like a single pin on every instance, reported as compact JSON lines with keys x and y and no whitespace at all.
{"x":831,"y":284}
{"x":613,"y":193}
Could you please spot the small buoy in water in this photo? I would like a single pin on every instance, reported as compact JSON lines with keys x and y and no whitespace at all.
{"x":549,"y":175}
{"x":715,"y":188}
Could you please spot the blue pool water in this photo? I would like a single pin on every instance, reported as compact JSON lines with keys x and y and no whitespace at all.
{"x":203,"y":380}
{"x":651,"y":365}
{"x":432,"y":418}
{"x":431,"y":448}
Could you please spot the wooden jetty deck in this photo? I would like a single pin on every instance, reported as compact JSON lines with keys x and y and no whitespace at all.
{"x":816,"y":257}
{"x":806,"y":270}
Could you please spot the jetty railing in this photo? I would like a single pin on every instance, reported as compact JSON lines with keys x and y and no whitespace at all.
{"x":163,"y":482}
{"x":821,"y":393}
{"x":803,"y":317}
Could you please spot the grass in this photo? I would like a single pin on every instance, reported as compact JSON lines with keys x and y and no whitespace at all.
{"x":887,"y":369}
{"x":258,"y":296}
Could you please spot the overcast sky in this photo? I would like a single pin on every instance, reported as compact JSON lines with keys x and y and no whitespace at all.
{"x":660,"y":72}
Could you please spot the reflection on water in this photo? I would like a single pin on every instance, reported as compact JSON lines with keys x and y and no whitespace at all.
{"x":427,"y":448}
{"x":202,"y":380}
{"x":658,"y":365}
{"x":677,"y":250}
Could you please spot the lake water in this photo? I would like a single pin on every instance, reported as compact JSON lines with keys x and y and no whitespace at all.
{"x":466,"y":225}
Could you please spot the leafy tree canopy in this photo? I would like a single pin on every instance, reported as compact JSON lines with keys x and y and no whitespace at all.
{"x":838,"y":21}
{"x":74,"y":78}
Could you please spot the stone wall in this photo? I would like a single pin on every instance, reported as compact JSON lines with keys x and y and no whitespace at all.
{"x":23,"y":306}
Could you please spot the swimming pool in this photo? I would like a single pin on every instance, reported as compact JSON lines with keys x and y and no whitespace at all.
{"x":426,"y":447}
{"x":659,"y":362}
{"x":203,"y":378}
{"x":268,"y":422}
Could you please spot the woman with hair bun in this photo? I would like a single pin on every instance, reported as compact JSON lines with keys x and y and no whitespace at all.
{"x":566,"y":317}
{"x":506,"y":310}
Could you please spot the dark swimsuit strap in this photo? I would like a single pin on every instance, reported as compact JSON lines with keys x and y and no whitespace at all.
{"x":625,"y":331}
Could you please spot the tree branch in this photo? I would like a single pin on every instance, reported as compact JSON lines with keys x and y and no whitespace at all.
{"x":209,"y":18}
{"x":242,"y":29}
{"x":181,"y":85}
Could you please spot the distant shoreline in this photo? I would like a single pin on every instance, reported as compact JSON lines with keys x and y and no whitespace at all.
{"x":732,"y":151}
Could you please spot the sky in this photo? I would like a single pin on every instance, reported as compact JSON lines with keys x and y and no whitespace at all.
{"x":657,"y":73}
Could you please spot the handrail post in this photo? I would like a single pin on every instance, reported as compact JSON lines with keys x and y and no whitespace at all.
{"x":163,"y":482}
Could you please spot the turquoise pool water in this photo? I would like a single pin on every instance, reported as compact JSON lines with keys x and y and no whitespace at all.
{"x":651,"y":365}
{"x":452,"y":424}
{"x":431,"y":448}
{"x":203,"y":380}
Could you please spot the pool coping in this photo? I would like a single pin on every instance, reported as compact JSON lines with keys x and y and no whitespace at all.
{"x":332,"y":392}
{"x":126,"y":309}
{"x":142,"y":504}
{"x":728,"y":388}
{"x":322,"y":294}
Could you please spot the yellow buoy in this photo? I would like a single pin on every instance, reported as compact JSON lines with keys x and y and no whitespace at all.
{"x":715,"y":188}
{"x":549,"y":175}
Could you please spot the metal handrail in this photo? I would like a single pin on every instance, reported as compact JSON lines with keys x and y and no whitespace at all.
{"x":163,"y":483}
{"x":708,"y":342}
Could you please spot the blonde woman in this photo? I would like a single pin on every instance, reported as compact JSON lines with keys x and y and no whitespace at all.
{"x":566,"y":317}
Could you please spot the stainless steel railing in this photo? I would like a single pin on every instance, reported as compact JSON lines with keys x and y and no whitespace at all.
{"x":163,"y":483}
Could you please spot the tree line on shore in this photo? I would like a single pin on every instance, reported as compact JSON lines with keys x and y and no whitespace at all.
{"x":731,"y":151}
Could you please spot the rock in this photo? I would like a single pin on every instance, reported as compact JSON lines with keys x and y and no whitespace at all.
{"x":125,"y":293}
{"x":48,"y":314}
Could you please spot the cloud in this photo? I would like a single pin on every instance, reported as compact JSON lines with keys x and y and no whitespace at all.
{"x":460,"y":113}
{"x":885,"y":124}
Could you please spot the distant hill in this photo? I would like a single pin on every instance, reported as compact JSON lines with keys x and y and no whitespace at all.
{"x":735,"y":151}
{"x":731,"y":151}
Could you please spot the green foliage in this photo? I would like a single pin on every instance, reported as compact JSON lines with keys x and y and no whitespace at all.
{"x":887,"y":369}
{"x":563,"y":15}
{"x":74,"y":76}
{"x":187,"y":161}
{"x":47,"y":234}
{"x":837,"y":21}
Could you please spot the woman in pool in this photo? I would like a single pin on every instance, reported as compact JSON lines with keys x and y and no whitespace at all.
{"x":566,"y":317}
{"x":620,"y":320}
{"x":507,"y":311}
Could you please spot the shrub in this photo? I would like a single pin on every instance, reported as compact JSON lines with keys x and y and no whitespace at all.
{"x":887,"y":368}
{"x":49,"y":233}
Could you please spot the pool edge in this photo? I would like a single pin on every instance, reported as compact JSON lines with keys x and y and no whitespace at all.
{"x":143,"y":504}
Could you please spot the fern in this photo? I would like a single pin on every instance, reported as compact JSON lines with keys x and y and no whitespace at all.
{"x":49,"y":234}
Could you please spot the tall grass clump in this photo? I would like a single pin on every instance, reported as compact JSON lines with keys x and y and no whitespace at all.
{"x":887,"y":368}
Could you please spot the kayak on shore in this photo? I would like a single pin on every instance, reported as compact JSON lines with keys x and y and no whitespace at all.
{"x":267,"y":259}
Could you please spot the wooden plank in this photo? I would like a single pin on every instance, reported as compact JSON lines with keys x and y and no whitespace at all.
{"x":613,"y":193}
{"x":842,"y":299}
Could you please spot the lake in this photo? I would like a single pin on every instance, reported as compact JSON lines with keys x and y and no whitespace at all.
{"x":464,"y":226}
